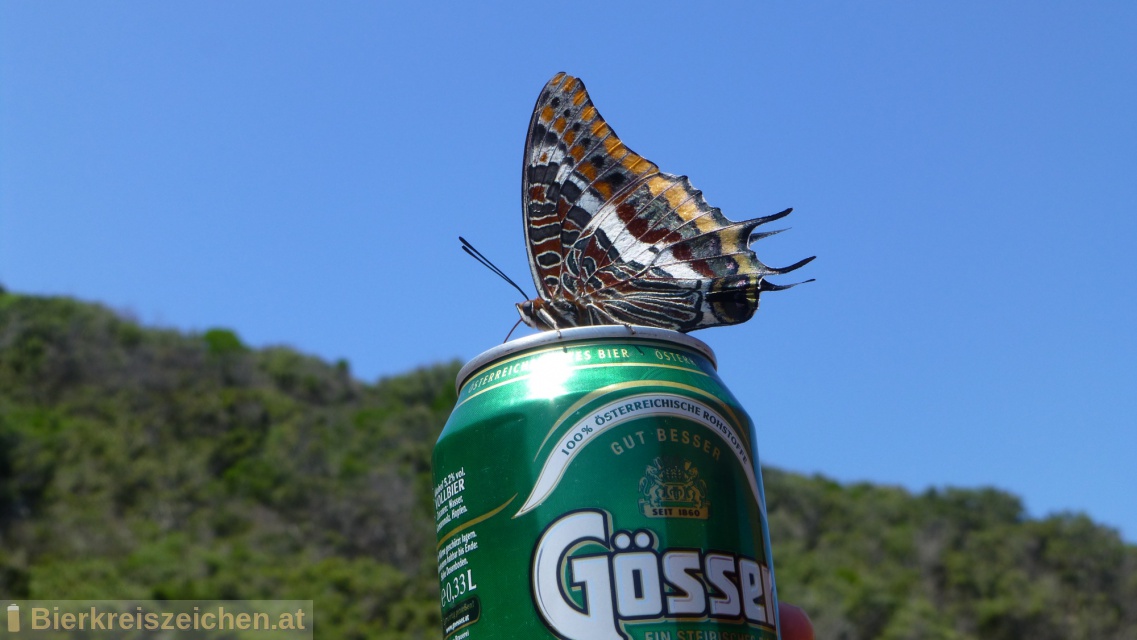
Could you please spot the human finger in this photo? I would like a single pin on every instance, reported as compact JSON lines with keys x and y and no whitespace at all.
{"x":795,"y":625}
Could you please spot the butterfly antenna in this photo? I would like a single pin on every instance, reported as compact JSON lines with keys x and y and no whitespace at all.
{"x":477,"y":255}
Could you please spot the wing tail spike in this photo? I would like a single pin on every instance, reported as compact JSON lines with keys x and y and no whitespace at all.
{"x":766,"y":285}
{"x":793,"y":267}
{"x":755,"y":237}
{"x":753,"y":223}
{"x":770,"y":218}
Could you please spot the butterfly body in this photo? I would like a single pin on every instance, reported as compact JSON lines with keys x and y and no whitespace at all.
{"x":614,"y":240}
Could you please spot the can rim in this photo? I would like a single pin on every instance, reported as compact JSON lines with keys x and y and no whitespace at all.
{"x":577,"y":334}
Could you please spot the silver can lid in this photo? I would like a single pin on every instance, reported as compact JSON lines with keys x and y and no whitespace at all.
{"x":579,"y":334}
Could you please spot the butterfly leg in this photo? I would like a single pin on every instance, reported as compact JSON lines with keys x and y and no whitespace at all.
{"x":609,"y":318}
{"x":550,"y":321}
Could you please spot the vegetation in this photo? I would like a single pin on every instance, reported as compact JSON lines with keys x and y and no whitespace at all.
{"x":139,"y":463}
{"x":877,"y":562}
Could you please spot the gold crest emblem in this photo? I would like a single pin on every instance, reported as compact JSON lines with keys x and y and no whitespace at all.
{"x":672,"y":488}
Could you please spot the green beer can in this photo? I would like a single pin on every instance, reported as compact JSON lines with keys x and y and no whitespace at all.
{"x":601,"y":484}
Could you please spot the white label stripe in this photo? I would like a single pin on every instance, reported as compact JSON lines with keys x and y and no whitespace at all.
{"x":597,"y":422}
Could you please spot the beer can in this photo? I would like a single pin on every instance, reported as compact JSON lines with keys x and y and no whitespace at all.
{"x":601,"y":483}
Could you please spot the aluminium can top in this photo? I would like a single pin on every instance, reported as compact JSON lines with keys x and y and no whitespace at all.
{"x":578,"y":334}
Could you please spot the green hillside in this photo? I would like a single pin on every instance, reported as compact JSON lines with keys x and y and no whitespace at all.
{"x":142,"y":463}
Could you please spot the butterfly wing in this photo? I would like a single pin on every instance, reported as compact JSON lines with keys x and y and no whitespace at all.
{"x":574,"y":164}
{"x":660,"y":255}
{"x":620,"y":240}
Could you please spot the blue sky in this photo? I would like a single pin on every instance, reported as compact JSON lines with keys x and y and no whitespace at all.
{"x":966,"y":174}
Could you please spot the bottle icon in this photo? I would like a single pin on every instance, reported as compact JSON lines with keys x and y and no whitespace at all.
{"x":13,"y":618}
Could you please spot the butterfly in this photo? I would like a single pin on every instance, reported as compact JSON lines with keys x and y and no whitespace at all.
{"x":614,"y":240}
